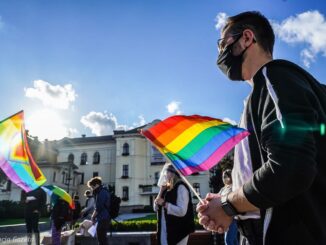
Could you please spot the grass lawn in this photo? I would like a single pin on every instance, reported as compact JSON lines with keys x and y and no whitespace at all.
{"x":19,"y":221}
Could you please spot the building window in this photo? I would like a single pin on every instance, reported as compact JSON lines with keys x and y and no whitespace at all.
{"x":54,"y":176}
{"x":125,"y":171}
{"x":9,"y":185}
{"x":197,"y":188}
{"x":71,"y":158}
{"x":95,"y":174}
{"x":125,"y":193}
{"x":96,"y":158}
{"x":156,"y":176}
{"x":83,"y":159}
{"x":82,"y":179}
{"x":156,"y":157}
{"x":125,"y":149}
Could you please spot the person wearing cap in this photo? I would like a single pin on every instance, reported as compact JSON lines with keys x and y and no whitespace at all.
{"x":175,"y":211}
{"x":87,"y":211}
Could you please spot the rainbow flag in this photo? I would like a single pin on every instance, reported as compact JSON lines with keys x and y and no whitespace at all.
{"x":58,"y":192}
{"x":194,"y":143}
{"x":16,"y":160}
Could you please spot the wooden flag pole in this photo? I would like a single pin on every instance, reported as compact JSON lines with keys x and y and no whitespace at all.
{"x":189,"y":184}
{"x":182,"y":177}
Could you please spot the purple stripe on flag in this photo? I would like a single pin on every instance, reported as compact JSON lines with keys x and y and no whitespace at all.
{"x":216,"y":156}
{"x":12,"y":175}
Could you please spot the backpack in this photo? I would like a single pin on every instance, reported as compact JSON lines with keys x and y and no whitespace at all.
{"x":114,"y":205}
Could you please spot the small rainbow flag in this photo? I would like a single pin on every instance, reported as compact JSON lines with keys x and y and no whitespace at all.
{"x":16,"y":160}
{"x":58,"y":192}
{"x":194,"y":143}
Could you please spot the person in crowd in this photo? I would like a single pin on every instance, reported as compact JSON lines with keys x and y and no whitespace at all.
{"x":34,"y":203}
{"x":279,"y":169}
{"x":88,"y":210}
{"x":60,"y":214}
{"x":230,"y":236}
{"x":175,"y":210}
{"x":101,"y":214}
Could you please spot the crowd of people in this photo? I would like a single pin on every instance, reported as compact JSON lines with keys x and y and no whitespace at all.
{"x":96,"y":211}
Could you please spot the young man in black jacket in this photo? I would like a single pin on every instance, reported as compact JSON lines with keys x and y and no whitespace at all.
{"x":279,"y":173}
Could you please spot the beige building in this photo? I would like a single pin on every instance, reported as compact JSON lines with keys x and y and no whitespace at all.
{"x":126,"y":161}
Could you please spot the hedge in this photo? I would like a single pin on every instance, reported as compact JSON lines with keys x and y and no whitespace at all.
{"x":141,"y":225}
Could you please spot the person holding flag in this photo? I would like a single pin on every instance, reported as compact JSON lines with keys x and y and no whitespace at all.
{"x":174,"y":208}
{"x":279,"y":169}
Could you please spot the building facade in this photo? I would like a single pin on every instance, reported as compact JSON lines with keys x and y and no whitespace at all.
{"x":126,"y":162}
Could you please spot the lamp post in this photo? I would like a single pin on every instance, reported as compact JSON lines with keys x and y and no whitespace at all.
{"x":68,"y":179}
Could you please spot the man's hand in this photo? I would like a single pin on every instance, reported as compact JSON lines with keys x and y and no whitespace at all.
{"x":212,"y":216}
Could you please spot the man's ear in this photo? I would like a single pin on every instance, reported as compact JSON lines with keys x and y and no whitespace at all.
{"x":249,"y":37}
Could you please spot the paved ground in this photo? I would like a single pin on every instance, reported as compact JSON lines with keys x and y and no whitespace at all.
{"x":15,"y":234}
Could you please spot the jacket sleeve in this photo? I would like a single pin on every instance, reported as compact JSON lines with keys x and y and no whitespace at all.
{"x":101,"y":200}
{"x":290,"y":166}
{"x":180,"y":209}
{"x":90,"y":205}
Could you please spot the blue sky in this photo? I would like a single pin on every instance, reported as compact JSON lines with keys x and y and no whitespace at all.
{"x":93,"y":66}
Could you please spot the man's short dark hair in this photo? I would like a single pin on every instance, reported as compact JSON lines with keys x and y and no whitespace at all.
{"x":94,"y":181}
{"x":256,"y":22}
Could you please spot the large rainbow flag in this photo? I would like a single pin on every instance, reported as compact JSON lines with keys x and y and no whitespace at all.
{"x":16,"y":160}
{"x":194,"y":143}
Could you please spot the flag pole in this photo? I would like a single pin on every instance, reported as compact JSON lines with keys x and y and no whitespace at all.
{"x":188,"y":184}
{"x":182,"y":177}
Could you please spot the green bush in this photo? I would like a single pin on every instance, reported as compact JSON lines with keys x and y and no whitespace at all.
{"x":141,"y":225}
{"x":134,"y":225}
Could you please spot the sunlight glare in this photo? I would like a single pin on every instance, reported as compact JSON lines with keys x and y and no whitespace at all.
{"x":46,"y":124}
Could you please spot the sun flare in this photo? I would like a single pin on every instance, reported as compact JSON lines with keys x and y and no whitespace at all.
{"x":46,"y":124}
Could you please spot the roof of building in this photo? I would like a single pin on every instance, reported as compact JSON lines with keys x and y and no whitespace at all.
{"x":131,"y":131}
{"x":85,"y":140}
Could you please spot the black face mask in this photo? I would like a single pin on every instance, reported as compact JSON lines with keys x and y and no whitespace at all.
{"x":230,"y":64}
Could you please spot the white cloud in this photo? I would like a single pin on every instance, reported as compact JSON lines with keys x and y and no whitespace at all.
{"x":228,"y":120}
{"x":308,"y":28}
{"x":174,"y":107}
{"x":101,"y":123}
{"x":72,"y":132}
{"x":141,"y":121}
{"x":47,"y":124}
{"x":220,"y":20}
{"x":55,"y":96}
